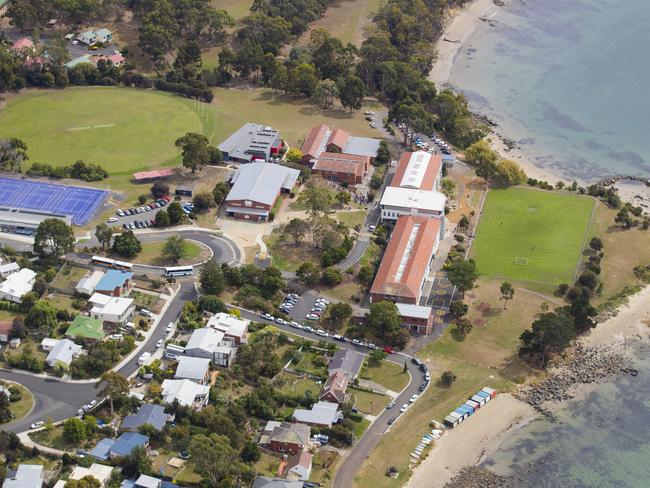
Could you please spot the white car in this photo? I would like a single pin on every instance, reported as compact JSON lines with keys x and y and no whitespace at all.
{"x":75,"y":42}
{"x":120,"y":213}
{"x":146,"y":313}
{"x":311,"y":316}
{"x":37,"y":425}
{"x":268,"y":316}
{"x":322,"y":333}
{"x":159,"y":344}
{"x":404,"y":408}
{"x":116,"y":337}
{"x":93,"y":403}
{"x":170,"y":327}
{"x":413,"y":398}
{"x":111,"y":220}
{"x":280,"y":321}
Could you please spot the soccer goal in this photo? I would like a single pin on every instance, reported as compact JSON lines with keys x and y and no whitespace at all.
{"x":521,"y":261}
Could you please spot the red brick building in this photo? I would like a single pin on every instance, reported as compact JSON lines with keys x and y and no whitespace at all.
{"x":341,"y":168}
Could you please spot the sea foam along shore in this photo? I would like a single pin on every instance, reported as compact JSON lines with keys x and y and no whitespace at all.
{"x":475,"y":439}
{"x":457,"y":34}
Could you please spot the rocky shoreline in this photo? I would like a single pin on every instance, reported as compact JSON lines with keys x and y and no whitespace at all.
{"x":478,"y":477}
{"x":587,"y":364}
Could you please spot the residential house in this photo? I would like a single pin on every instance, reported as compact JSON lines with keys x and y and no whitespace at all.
{"x":232,"y":327}
{"x":406,"y":263}
{"x":88,"y":37}
{"x":186,"y":393}
{"x":48,"y":343}
{"x":100,"y":472}
{"x":256,"y":189}
{"x":26,"y":476}
{"x":267,"y":482}
{"x":122,"y":446}
{"x":5,"y":330}
{"x":211,"y":344}
{"x":63,"y":352}
{"x":299,"y":466}
{"x":193,"y":369}
{"x":7,"y":269}
{"x":24,"y":44}
{"x":252,"y":142}
{"x":286,"y":437}
{"x":335,"y":388}
{"x":103,"y":36}
{"x":111,"y":310}
{"x":148,"y":413}
{"x":87,"y":284}
{"x":17,"y":284}
{"x":115,"y":59}
{"x":83,"y":327}
{"x":115,"y":283}
{"x":321,"y":414}
{"x":145,"y":481}
{"x":346,"y":361}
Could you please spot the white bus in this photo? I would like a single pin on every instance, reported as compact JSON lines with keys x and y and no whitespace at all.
{"x":111,"y":263}
{"x":179,"y":271}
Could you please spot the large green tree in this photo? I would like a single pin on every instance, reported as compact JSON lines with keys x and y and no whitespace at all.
{"x":74,"y":430}
{"x":104,"y":234}
{"x":194,"y":150}
{"x":351,"y":92}
{"x":462,"y":274}
{"x":12,"y":154}
{"x":383,"y":319}
{"x":552,"y":332}
{"x":214,"y":457}
{"x":127,"y":244}
{"x":41,"y":318}
{"x":211,"y":278}
{"x":174,"y":248}
{"x":53,"y":238}
{"x":113,"y":385}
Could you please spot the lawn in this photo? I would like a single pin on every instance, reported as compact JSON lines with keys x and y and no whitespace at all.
{"x":236,"y":8}
{"x":311,"y":364}
{"x":323,"y":466}
{"x":145,"y":300}
{"x":299,"y":386}
{"x":387,"y":374}
{"x":351,"y":219}
{"x":23,"y":406}
{"x":62,"y":302}
{"x":532,"y":236}
{"x":367,"y":402}
{"x":286,"y":255}
{"x":293,"y":118}
{"x":152,"y":254}
{"x":68,"y":277}
{"x":125,"y":130}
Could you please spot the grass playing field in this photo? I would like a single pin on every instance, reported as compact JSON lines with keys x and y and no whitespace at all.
{"x":530,"y":235}
{"x":125,"y":130}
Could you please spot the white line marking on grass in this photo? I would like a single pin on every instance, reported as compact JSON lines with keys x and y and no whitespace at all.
{"x":102,"y":126}
{"x":78,"y":128}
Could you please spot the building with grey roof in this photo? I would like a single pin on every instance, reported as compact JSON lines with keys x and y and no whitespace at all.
{"x":19,"y":221}
{"x":346,"y":361}
{"x":267,"y":482}
{"x":63,"y":352}
{"x":193,"y":369}
{"x":148,"y":413}
{"x":252,"y":142}
{"x":321,"y":414}
{"x":26,"y":476}
{"x":256,"y":188}
{"x":362,"y":146}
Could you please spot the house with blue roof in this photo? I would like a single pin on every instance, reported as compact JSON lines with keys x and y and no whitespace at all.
{"x":148,"y":413}
{"x":122,"y":446}
{"x":115,"y":283}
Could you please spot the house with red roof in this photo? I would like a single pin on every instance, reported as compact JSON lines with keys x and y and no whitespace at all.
{"x":23,"y":44}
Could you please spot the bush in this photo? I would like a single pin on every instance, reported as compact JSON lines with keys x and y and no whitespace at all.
{"x":447,"y":378}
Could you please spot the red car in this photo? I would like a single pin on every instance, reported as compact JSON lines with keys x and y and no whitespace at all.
{"x":388,"y":350}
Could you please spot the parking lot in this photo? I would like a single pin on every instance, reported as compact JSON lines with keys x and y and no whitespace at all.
{"x":145,"y":215}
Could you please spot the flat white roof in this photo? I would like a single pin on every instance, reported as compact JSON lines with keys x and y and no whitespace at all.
{"x":18,"y":283}
{"x":412,"y":198}
{"x":415,"y":311}
{"x":228,"y":324}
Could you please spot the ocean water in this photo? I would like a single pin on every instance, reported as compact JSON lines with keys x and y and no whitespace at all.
{"x":569,"y":80}
{"x":601,"y":440}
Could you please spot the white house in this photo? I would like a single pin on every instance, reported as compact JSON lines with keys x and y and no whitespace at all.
{"x":7,"y":269}
{"x":193,"y":369}
{"x":232,"y":327}
{"x":299,"y":466}
{"x":63,"y":352}
{"x":26,"y":476}
{"x":114,"y":310}
{"x":87,"y":284}
{"x":100,"y":472}
{"x":48,"y":344}
{"x":17,"y":284}
{"x":186,"y":392}
{"x":211,"y":344}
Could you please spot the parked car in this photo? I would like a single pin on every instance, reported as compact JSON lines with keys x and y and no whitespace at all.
{"x":404,"y":408}
{"x":413,"y":398}
{"x":392,"y":421}
{"x":391,"y":404}
{"x":146,"y":312}
{"x":116,"y":337}
{"x":37,"y":425}
{"x":170,"y":327}
{"x":311,"y":316}
{"x":280,"y":321}
{"x":322,"y":333}
{"x":388,"y":350}
{"x":159,"y":344}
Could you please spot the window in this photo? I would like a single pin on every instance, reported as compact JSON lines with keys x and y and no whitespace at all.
{"x":248,"y":203}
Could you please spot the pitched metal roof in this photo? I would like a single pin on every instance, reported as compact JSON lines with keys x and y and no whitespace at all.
{"x":192,"y":368}
{"x":362,"y":146}
{"x":262,"y":182}
{"x":347,"y":361}
{"x":147,"y":414}
{"x":113,"y":279}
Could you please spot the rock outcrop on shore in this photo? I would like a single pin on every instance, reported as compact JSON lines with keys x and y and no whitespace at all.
{"x":478,"y":477}
{"x":587,"y":364}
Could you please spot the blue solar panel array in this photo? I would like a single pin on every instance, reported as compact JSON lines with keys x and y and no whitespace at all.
{"x":79,"y":203}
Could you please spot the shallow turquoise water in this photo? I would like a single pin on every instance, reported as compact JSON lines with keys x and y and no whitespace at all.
{"x":600,"y":441}
{"x":569,"y":80}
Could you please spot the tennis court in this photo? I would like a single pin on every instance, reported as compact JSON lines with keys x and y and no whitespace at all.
{"x":79,"y":203}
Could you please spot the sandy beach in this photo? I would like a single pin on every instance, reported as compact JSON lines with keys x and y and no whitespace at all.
{"x":466,"y":444}
{"x":458,"y":31}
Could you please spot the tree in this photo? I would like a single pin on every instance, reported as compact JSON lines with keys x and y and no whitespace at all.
{"x":174,"y":248}
{"x":480,"y":152}
{"x":104,"y":234}
{"x":194,"y":149}
{"x":331,"y":276}
{"x":250,"y":453}
{"x":213,"y":457}
{"x":41,"y":318}
{"x":137,"y":462}
{"x":220,"y":191}
{"x":175,"y":212}
{"x":486,"y":170}
{"x":215,"y":156}
{"x":159,"y":189}
{"x":366,"y":274}
{"x":88,"y":481}
{"x":343,"y":198}
{"x":449,"y":188}
{"x":376,"y":357}
{"x":338,"y":314}
{"x":383,"y":153}
{"x":74,"y":430}
{"x":294,"y":155}
{"x":308,"y":273}
{"x":510,"y":173}
{"x":162,"y":218}
{"x":596,"y":244}
{"x":463,"y":328}
{"x":447,"y":378}
{"x":53,"y":238}
{"x":507,"y":293}
{"x":550,"y":333}
{"x":325,"y":93}
{"x":114,"y":385}
{"x":203,"y":200}
{"x":413,"y":114}
{"x":351,"y":92}
{"x":211,"y":278}
{"x":12,"y":155}
{"x":318,"y":199}
{"x":127,"y":244}
{"x":462,"y":274}
{"x":297,"y":228}
{"x":458,"y":309}
{"x":142,"y":199}
{"x":383,"y":319}
{"x":623,"y":217}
